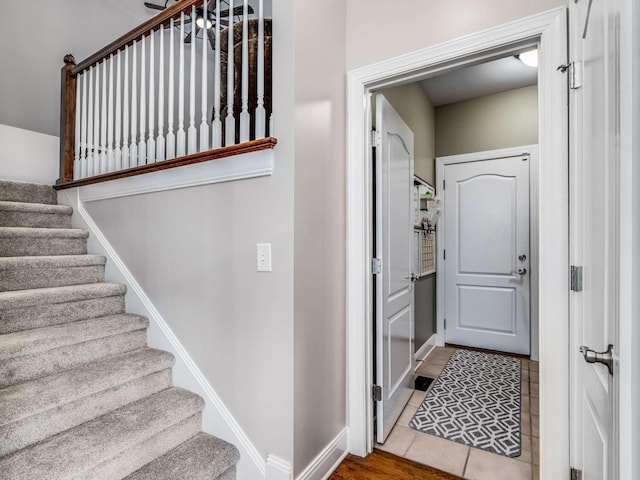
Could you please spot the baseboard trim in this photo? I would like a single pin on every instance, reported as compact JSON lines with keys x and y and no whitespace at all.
{"x":186,"y":373}
{"x":278,"y":469}
{"x":426,"y":348}
{"x":328,"y":459}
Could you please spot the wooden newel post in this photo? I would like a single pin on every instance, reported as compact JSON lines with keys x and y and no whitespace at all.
{"x":67,"y":120}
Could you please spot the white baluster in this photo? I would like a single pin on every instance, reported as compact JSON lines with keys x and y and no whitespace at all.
{"x":151,"y":143}
{"x":181,"y":147}
{"x":89,"y":167}
{"x":83,"y":136}
{"x":171,"y":138}
{"x":96,"y":124}
{"x":133,"y":159}
{"x":204,"y":125}
{"x":245,"y":118}
{"x":260,"y":110}
{"x":103,"y":121}
{"x":230,"y":121}
{"x":118,"y":139}
{"x":160,"y":139}
{"x":110,"y":154}
{"x":142,"y":144}
{"x":76,"y":150}
{"x":271,"y":130}
{"x":192,"y":133}
{"x":216,"y":126}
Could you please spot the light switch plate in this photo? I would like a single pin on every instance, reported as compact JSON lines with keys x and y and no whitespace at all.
{"x":264,"y":257}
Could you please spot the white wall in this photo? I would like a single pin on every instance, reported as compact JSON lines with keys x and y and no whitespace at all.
{"x":319,"y":340}
{"x":379,"y":29}
{"x":27,"y":156}
{"x":32,"y":54}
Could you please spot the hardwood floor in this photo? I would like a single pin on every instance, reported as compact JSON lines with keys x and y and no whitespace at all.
{"x":385,"y":466}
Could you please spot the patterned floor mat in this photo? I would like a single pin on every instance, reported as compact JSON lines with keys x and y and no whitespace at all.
{"x":475,"y":401}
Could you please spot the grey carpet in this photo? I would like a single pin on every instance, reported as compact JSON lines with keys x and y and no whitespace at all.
{"x":81,"y":394}
{"x":475,"y":401}
{"x":18,"y":214}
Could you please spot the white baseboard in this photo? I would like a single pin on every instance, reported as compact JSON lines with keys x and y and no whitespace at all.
{"x":426,"y":348}
{"x":278,"y":469}
{"x":328,"y":460}
{"x":217,"y":419}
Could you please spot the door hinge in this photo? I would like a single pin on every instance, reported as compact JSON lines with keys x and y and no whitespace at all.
{"x":576,"y":474}
{"x":444,"y":183}
{"x":445,"y":324}
{"x":575,"y":74}
{"x":576,"y":278}
{"x":376,"y":138}
{"x":376,"y":393}
{"x":444,"y":254}
{"x":376,"y":266}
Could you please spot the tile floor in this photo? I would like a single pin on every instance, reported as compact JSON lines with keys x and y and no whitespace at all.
{"x":469,"y":463}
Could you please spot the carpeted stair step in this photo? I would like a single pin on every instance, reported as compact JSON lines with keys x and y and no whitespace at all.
{"x":21,"y":242}
{"x":27,"y":192}
{"x":29,"y":354}
{"x":25,"y":273}
{"x":112,"y":445}
{"x":26,"y":399}
{"x":39,"y":215}
{"x":41,"y":307}
{"x":74,"y":396}
{"x":202,"y":457}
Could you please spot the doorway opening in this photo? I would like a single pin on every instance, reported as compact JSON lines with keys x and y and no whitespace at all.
{"x":474,"y":129}
{"x":547,"y":30}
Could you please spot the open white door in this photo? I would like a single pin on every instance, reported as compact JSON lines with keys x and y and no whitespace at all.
{"x":594,"y":231}
{"x":487,"y":263}
{"x":394,"y":285}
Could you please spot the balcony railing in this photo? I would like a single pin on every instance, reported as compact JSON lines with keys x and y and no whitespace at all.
{"x":184,"y":87}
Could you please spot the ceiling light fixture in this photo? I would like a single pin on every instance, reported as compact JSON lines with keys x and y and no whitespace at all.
{"x":529,"y":58}
{"x":200,"y":22}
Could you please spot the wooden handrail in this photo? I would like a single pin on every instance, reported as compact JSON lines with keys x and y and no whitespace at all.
{"x":238,"y":149}
{"x":150,"y":25}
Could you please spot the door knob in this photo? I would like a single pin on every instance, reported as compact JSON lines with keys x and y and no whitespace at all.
{"x":413,"y":277}
{"x":606,"y":358}
{"x":522,"y":257}
{"x":522,"y":271}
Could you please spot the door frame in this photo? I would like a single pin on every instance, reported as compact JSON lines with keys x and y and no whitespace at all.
{"x":441,"y":163}
{"x":549,"y":31}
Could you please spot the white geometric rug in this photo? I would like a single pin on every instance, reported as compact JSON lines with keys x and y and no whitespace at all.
{"x":475,"y":401}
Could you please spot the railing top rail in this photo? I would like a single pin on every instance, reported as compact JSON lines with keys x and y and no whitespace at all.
{"x":128,"y":38}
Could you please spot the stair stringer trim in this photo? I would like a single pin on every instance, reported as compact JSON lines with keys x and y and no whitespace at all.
{"x":216,"y":419}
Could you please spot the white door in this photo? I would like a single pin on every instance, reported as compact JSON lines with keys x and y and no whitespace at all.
{"x":394,"y":286}
{"x":486,"y":217}
{"x":594,"y":174}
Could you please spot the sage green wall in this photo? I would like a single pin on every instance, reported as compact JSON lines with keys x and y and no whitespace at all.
{"x":501,"y":120}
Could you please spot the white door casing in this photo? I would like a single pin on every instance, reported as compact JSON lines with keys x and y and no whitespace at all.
{"x":394,"y":286}
{"x":594,"y":233}
{"x":487,"y":266}
{"x":548,"y":30}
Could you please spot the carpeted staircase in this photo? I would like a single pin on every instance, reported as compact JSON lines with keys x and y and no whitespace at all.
{"x":82,"y":396}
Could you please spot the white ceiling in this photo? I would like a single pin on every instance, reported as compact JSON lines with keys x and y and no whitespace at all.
{"x":479,"y":80}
